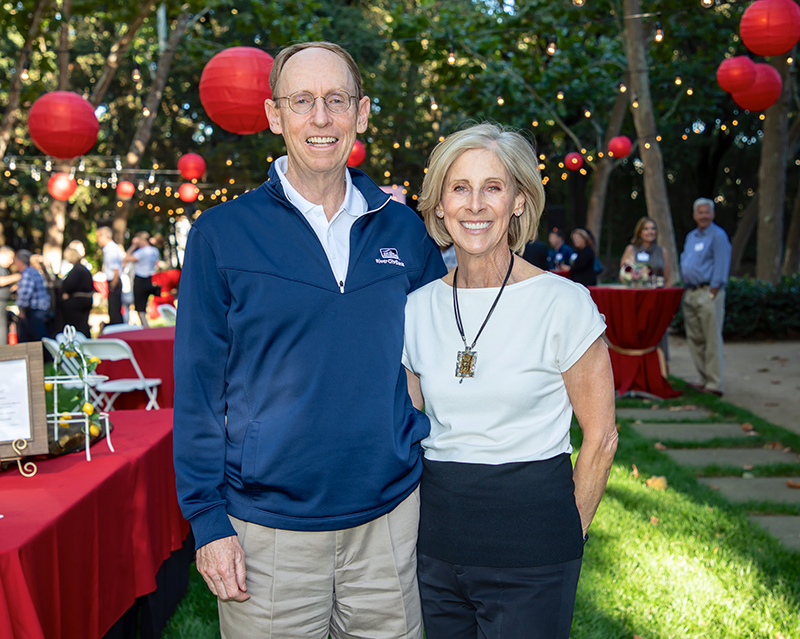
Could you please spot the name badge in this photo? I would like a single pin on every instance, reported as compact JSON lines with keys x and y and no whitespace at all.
{"x":559,"y":257}
{"x":643,"y":257}
{"x":699,"y":246}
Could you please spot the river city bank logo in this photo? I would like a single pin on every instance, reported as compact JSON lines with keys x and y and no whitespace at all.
{"x":389,"y":256}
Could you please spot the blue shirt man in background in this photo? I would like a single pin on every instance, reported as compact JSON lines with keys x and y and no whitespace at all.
{"x":33,"y":299}
{"x":705,"y":265}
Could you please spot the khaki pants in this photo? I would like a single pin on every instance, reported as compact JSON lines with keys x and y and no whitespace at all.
{"x":704,"y":318}
{"x":354,"y":583}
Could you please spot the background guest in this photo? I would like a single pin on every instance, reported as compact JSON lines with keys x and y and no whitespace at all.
{"x":536,"y":253}
{"x":112,"y":267}
{"x":7,"y":279}
{"x":559,"y":252}
{"x":144,"y":257}
{"x":643,"y":249}
{"x":33,"y":299}
{"x":582,"y":259}
{"x":77,"y":292}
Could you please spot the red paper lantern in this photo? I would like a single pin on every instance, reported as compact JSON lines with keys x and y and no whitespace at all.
{"x":357,"y":155}
{"x":619,"y":147}
{"x":61,"y":186}
{"x":63,"y":124}
{"x":736,"y":74}
{"x":233,"y":87}
{"x":764,"y":92}
{"x":770,"y":27}
{"x":191,"y":166}
{"x":188,"y":192}
{"x":574,"y":161}
{"x":125,"y":190}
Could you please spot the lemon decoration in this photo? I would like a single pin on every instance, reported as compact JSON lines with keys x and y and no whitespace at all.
{"x":87,"y":408}
{"x":48,"y":386}
{"x":94,"y":431}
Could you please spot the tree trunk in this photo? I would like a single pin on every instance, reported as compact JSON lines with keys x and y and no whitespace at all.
{"x":12,"y":114}
{"x":603,"y":168}
{"x":145,"y":128}
{"x":63,"y":49}
{"x":655,"y":186}
{"x":118,"y":51}
{"x":772,"y":179}
{"x":742,"y":235}
{"x":791,"y":257}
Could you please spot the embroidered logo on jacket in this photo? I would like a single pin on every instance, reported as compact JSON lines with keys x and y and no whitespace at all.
{"x":389,"y":256}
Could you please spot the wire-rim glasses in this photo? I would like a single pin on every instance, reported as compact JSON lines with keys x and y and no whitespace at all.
{"x":302,"y":102}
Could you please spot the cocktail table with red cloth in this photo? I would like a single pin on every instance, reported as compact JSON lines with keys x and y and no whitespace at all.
{"x":637,"y":319}
{"x":80,"y":541}
{"x":152,"y":348}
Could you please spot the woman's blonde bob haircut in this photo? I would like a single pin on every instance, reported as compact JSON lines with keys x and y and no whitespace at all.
{"x":637,"y":240}
{"x":517,"y":156}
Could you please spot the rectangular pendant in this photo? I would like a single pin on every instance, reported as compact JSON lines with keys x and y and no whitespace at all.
{"x":465,"y":363}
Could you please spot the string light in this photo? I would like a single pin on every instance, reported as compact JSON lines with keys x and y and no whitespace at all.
{"x":635,"y":103}
{"x":622,"y":87}
{"x":560,"y":95}
{"x":535,"y":123}
{"x":434,"y":106}
{"x":25,"y":75}
{"x":579,"y":3}
{"x":587,"y":113}
{"x":689,"y":91}
{"x":451,"y":57}
{"x":707,"y":3}
{"x":48,"y":165}
{"x":500,"y":100}
{"x":659,"y":36}
{"x":137,"y":74}
{"x":678,"y":81}
{"x":12,"y":165}
{"x":146,"y":112}
{"x":152,"y":177}
{"x":396,"y":145}
{"x":82,"y":165}
{"x":789,"y":60}
{"x":551,"y":47}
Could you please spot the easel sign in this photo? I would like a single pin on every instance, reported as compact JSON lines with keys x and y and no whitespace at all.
{"x":23,"y":413}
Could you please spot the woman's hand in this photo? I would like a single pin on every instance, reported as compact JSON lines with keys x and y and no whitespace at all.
{"x":590,"y":386}
{"x":415,"y":390}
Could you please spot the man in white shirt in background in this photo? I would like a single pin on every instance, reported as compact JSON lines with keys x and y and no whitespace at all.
{"x":144,"y":257}
{"x":112,"y":267}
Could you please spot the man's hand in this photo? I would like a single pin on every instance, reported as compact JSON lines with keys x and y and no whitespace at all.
{"x":221,"y":563}
{"x":714,"y":292}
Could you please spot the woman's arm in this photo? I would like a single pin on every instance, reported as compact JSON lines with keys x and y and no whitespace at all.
{"x":415,"y":390}
{"x":667,"y":272}
{"x":590,"y":386}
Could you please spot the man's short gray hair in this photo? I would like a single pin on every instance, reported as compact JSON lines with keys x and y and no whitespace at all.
{"x":703,"y":200}
{"x":24,"y":256}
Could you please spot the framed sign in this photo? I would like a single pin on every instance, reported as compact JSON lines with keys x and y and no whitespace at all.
{"x":23,"y":413}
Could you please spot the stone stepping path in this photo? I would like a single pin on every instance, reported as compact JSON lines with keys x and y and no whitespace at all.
{"x":732,"y":457}
{"x":771,"y":489}
{"x":674,"y":427}
{"x":785,"y":528}
{"x":685,"y":432}
{"x":662,"y":414}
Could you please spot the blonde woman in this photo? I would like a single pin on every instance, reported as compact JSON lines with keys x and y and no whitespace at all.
{"x":501,"y":353}
{"x":644,"y":249}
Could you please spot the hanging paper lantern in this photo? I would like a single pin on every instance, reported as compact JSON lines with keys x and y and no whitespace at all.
{"x":619,"y":147}
{"x":770,"y":27}
{"x":233,"y":87}
{"x":63,"y":124}
{"x":573,"y":161}
{"x":357,"y":155}
{"x":736,"y":74}
{"x":61,"y":186}
{"x":191,"y":166}
{"x":125,"y":190}
{"x":764,"y":92}
{"x":188,"y":192}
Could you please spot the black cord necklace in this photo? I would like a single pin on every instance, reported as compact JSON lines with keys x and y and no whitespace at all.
{"x":466,"y":360}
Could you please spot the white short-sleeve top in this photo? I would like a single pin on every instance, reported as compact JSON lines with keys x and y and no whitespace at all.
{"x":516,"y":408}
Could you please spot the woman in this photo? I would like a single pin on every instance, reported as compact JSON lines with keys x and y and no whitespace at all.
{"x":644,"y":250}
{"x":77,"y":291}
{"x":503,"y":516}
{"x":582,"y":260}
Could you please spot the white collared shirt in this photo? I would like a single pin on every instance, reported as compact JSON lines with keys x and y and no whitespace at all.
{"x":334,"y":235}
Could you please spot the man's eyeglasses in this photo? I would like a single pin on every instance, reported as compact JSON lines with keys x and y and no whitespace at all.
{"x":303,"y":102}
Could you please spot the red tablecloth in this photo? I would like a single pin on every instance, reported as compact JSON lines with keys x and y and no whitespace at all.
{"x":152,"y":348}
{"x":637,"y":319}
{"x":80,"y":541}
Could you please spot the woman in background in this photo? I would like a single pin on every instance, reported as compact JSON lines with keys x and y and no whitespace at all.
{"x":643,"y":249}
{"x":77,"y":292}
{"x":582,"y":260}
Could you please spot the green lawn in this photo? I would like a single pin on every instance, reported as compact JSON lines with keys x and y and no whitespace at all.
{"x":679,"y":563}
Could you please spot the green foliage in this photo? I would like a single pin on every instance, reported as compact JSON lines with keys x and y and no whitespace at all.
{"x":758,"y":309}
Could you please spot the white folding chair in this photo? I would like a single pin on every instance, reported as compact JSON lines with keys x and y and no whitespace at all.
{"x":169,"y":313}
{"x":115,"y":350}
{"x":120,"y":328}
{"x":71,"y":366}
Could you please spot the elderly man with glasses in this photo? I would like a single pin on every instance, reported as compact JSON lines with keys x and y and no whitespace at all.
{"x":297,"y":449}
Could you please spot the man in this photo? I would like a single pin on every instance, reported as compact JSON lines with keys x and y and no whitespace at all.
{"x":297,"y":449}
{"x":144,"y":257}
{"x":536,"y":253}
{"x":7,"y":279}
{"x":33,"y":299}
{"x":705,"y":264}
{"x":112,"y":267}
{"x":560,"y":252}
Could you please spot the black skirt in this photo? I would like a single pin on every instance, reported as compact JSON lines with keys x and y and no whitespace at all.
{"x":506,"y":515}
